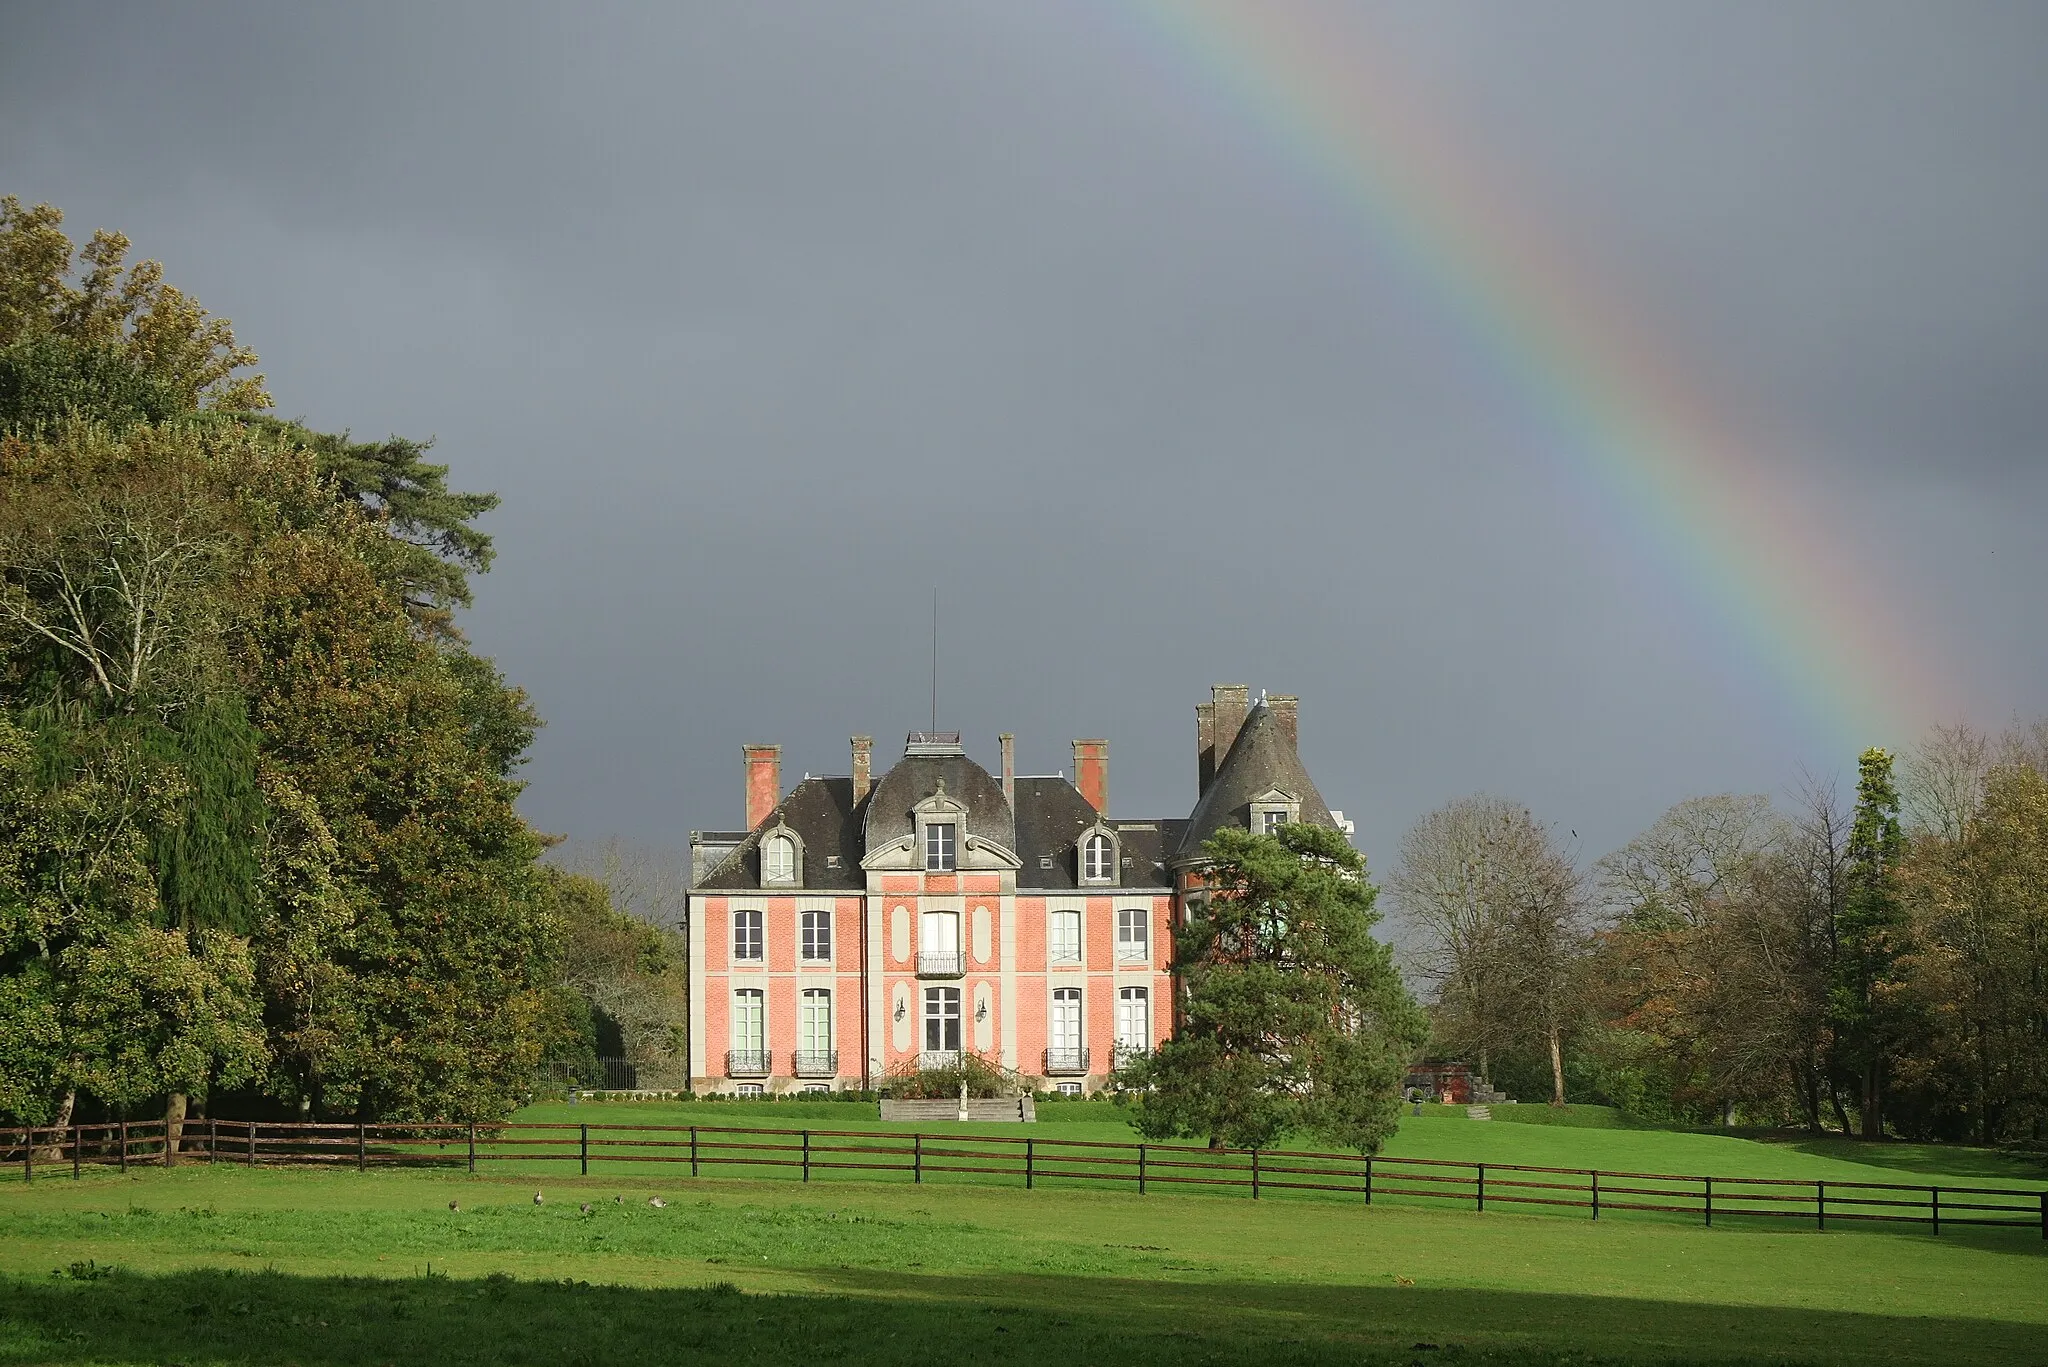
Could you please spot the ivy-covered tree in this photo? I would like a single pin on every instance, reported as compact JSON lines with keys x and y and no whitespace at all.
{"x":1293,"y":1017}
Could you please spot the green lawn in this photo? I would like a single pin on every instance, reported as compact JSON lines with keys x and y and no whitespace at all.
{"x":227,"y":1265}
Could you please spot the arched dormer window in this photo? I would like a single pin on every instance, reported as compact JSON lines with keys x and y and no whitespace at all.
{"x":781,"y":858}
{"x":1098,"y":857}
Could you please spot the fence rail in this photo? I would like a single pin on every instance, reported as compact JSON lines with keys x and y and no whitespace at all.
{"x":917,"y":1156}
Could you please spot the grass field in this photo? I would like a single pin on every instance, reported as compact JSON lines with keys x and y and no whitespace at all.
{"x":226,"y":1265}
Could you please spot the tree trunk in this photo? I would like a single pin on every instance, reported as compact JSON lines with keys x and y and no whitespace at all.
{"x":53,"y":1154}
{"x":1556,"y":1068}
{"x":1841,"y":1112}
{"x":1807,"y":1088}
{"x":1873,"y":1092}
{"x":174,"y":1126}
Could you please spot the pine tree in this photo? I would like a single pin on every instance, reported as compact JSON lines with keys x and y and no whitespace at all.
{"x":1868,"y":1010}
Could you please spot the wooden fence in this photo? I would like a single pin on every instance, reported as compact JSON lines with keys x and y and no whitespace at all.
{"x":1026,"y":1160}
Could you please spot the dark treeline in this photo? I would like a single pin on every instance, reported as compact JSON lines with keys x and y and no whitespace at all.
{"x":1874,"y":963}
{"x":257,"y":837}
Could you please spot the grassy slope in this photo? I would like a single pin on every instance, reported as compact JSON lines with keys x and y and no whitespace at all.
{"x":871,"y":1273}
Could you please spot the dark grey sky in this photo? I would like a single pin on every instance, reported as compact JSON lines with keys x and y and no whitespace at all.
{"x":764,"y":319}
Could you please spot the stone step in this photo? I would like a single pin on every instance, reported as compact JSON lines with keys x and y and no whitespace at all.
{"x":1478,"y":1113}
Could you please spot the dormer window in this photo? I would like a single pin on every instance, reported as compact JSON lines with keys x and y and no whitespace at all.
{"x":1271,"y":819}
{"x":941,"y":843}
{"x":1098,"y":859}
{"x":782,"y":858}
{"x":1272,"y":810}
{"x":778,"y":860}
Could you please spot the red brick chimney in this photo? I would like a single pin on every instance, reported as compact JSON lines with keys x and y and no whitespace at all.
{"x":1205,"y":746}
{"x":1286,"y":709}
{"x":1009,"y":744}
{"x":863,"y":752}
{"x":764,"y":781}
{"x":1091,"y":773}
{"x":1231,"y":703}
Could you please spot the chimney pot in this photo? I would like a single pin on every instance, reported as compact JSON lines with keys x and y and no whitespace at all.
{"x":863,"y":755}
{"x":1091,"y":773}
{"x":764,"y":781}
{"x":1205,"y":746}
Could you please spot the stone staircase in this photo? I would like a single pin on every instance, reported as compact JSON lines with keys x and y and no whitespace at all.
{"x":1479,"y":1113}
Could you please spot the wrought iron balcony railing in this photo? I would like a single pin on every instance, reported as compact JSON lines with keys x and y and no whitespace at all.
{"x":1065,"y":1061}
{"x":816,"y":1062}
{"x":746,"y":1063}
{"x":939,"y":1058}
{"x":941,"y":963}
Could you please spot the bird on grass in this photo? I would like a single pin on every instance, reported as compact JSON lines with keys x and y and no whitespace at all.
{"x":584,"y":1208}
{"x":453,"y":1206}
{"x":657,"y":1203}
{"x":536,"y":1198}
{"x":618,"y":1200}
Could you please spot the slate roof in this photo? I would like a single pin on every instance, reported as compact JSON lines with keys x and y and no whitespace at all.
{"x":916,"y":777}
{"x":822,"y":813}
{"x":1051,"y":816}
{"x":1262,"y":758}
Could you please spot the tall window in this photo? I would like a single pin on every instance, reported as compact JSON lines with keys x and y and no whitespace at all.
{"x":1133,"y":934}
{"x":942,"y":1019}
{"x":814,"y":1022}
{"x":1133,"y":1020}
{"x":749,"y":1026}
{"x":1064,"y":937}
{"x":1065,"y":1035}
{"x":817,"y":935}
{"x":1098,"y":863}
{"x":778,"y":859}
{"x":938,"y":943}
{"x":939,"y":844}
{"x":746,"y":935}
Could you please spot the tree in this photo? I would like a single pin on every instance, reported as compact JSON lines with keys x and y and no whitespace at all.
{"x":626,"y":973}
{"x":1495,"y":914}
{"x":1868,"y":1008}
{"x":1293,"y":1017}
{"x":98,"y":302}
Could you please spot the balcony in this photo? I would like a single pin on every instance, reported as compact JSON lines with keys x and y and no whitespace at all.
{"x":941,"y":963}
{"x":932,"y":1059}
{"x":746,"y":1063}
{"x":1066,"y":1062}
{"x":816,"y":1062}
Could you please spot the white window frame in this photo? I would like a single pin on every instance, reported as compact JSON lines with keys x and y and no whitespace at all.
{"x":1134,"y":948}
{"x":745,"y":919}
{"x":936,"y":1000}
{"x":1103,"y":871}
{"x":941,"y":846}
{"x":1128,"y":1039}
{"x":814,"y":1021}
{"x":1055,"y":940}
{"x":751,"y":1091}
{"x":758,"y":1042}
{"x":1066,"y":1026}
{"x":812,"y":927}
{"x":778,"y":861}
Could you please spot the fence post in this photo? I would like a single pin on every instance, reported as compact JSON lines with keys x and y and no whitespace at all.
{"x":28,"y":1156}
{"x":1482,"y":1186}
{"x":212,"y":1141}
{"x":1710,"y":1201}
{"x":583,"y":1148}
{"x":2044,"y":1216}
{"x":472,"y":1146}
{"x":252,"y":1146}
{"x":1820,"y":1204}
{"x":76,"y":1139}
{"x":1368,"y":1179}
{"x":917,"y":1158}
{"x":807,"y":1155}
{"x":1255,"y":1174}
{"x":693,"y":1150}
{"x":1596,"y":1195}
{"x":1141,"y":1169}
{"x":1934,"y":1201}
{"x":359,"y":1146}
{"x":124,"y":1146}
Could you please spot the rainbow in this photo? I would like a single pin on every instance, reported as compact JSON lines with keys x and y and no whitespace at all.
{"x":1758,"y":560}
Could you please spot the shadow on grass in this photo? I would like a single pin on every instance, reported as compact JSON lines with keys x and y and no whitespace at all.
{"x":1993,"y":1165}
{"x":880,"y":1317}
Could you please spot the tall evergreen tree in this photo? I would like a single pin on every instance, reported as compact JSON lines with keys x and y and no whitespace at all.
{"x":1868,"y":1008}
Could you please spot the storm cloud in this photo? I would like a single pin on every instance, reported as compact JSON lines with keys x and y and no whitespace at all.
{"x":767,"y":320}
